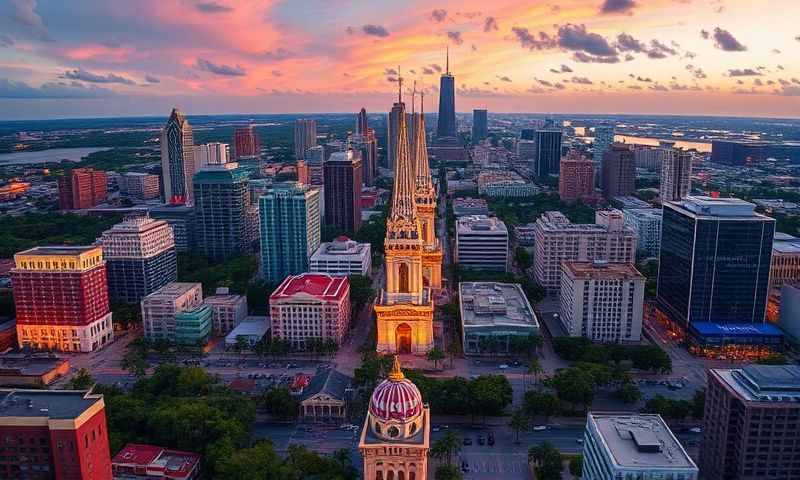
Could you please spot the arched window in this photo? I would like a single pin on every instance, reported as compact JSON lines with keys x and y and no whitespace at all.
{"x":401,"y":475}
{"x":403,"y":278}
{"x":390,"y":475}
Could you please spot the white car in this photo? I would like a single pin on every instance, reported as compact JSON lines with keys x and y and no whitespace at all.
{"x":540,"y":428}
{"x":503,"y":366}
{"x":696,"y":430}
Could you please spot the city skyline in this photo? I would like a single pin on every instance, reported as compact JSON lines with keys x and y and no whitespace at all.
{"x":587,"y":56}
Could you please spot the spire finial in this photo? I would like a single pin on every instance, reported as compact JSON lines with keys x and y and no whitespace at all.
{"x":397,"y":373}
{"x":399,"y":86}
{"x":447,"y":64}
{"x":422,"y":101}
{"x":413,"y":97}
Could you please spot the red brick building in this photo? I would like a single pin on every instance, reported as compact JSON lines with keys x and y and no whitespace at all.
{"x":246,"y":144}
{"x":61,"y":298}
{"x":576,"y":180}
{"x":151,"y":462}
{"x":82,"y":188}
{"x":53,"y":434}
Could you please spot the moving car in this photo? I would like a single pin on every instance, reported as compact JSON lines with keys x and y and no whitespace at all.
{"x":540,"y":428}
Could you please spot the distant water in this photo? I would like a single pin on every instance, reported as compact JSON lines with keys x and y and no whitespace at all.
{"x":704,"y":147}
{"x":53,"y":155}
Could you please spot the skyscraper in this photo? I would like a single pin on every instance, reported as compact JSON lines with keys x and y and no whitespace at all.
{"x":214,"y":153}
{"x":177,"y":159}
{"x":676,"y":174}
{"x":82,"y":188}
{"x":603,"y":139}
{"x":446,"y":126}
{"x":367,"y":145}
{"x":343,"y":172}
{"x":305,"y":136}
{"x":290,"y":229}
{"x":361,"y":122}
{"x":140,"y":258}
{"x":714,"y":273}
{"x":548,"y":152}
{"x":222,"y":210}
{"x":393,"y":125}
{"x":618,"y":172}
{"x":576,"y":178}
{"x":480,"y":126}
{"x":246,"y":144}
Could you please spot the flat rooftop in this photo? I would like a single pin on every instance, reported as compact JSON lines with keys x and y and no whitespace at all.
{"x":53,"y":404}
{"x":601,"y":270}
{"x":174,"y":289}
{"x":59,"y":250}
{"x":640,"y":441}
{"x":763,"y":383}
{"x":480,"y":223}
{"x":493,"y":304}
{"x":710,"y":207}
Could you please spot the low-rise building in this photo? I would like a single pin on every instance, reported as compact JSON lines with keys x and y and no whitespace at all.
{"x":193,"y":327}
{"x":469,"y":206}
{"x":251,"y":329}
{"x":481,"y":243}
{"x":342,"y":257}
{"x":785,"y":266}
{"x":646,"y":222}
{"x":149,"y":462}
{"x":34,"y":371}
{"x":602,"y":301}
{"x":310,"y":306}
{"x":326,"y":396}
{"x":632,"y":446}
{"x":511,"y":189}
{"x":160,"y":308}
{"x":228,"y":310}
{"x":492,"y":314}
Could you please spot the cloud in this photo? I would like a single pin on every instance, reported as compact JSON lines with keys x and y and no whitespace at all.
{"x":86,"y":76}
{"x":582,"y":81}
{"x":575,"y":37}
{"x":705,"y":34}
{"x":617,"y":6}
{"x":724,"y":40}
{"x":455,"y":37}
{"x":375,"y":30}
{"x":220,"y":69}
{"x":562,"y":69}
{"x":24,"y":13}
{"x":277,"y":73}
{"x":349,"y":30}
{"x":743,"y":72}
{"x":439,"y":15}
{"x":789,"y":91}
{"x":660,"y":50}
{"x":151,"y":79}
{"x":644,"y":79}
{"x":391,"y":79}
{"x":427,"y":71}
{"x":584,"y":58}
{"x":212,"y":7}
{"x":678,"y":87}
{"x":531,"y":41}
{"x":6,"y":41}
{"x":436,"y":67}
{"x":626,"y":43}
{"x":559,"y":86}
{"x":504,"y":79}
{"x":15,"y":89}
{"x":390,"y":71}
{"x":489,"y":24}
{"x":278,"y":54}
{"x":544,"y":83}
{"x":659,"y":88}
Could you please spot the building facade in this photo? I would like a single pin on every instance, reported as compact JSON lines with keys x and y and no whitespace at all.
{"x":193,"y":326}
{"x":140,"y":258}
{"x":290,"y":229}
{"x":646,"y":222}
{"x":61,"y":299}
{"x":480,"y":125}
{"x":143,"y":186}
{"x":149,"y":462}
{"x":367,"y":145}
{"x":343,"y":182}
{"x":619,"y":172}
{"x":676,"y":175}
{"x":222,"y":210}
{"x":785,"y":263}
{"x":342,"y":257}
{"x":81,"y":188}
{"x":492,"y":315}
{"x":246,"y":144}
{"x":310,"y":306}
{"x":305,"y":136}
{"x":446,"y":126}
{"x":160,"y":308}
{"x":481,"y":243}
{"x":181,"y":219}
{"x":177,"y":159}
{"x":214,"y":153}
{"x":392,"y":132}
{"x":548,"y":153}
{"x":576,"y":178}
{"x":603,"y":140}
{"x":602,"y":301}
{"x":228,"y":310}
{"x":326,"y":397}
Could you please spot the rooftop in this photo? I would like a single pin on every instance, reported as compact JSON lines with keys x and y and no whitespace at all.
{"x":249,"y":327}
{"x":175,"y":289}
{"x":763,"y":383}
{"x":59,"y":250}
{"x":341,"y":246}
{"x":175,"y":463}
{"x":318,"y":285}
{"x":640,"y":441}
{"x":710,"y":207}
{"x":29,"y":365}
{"x":480,"y":223}
{"x":493,"y":304}
{"x":328,"y":381}
{"x":51,"y":404}
{"x":601,"y":270}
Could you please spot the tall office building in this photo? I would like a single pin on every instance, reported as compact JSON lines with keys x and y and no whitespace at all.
{"x":214,"y":153}
{"x":480,"y":125}
{"x":481,"y":243}
{"x":310,"y":168}
{"x":392,"y":132}
{"x":140,"y":258}
{"x":361,"y":122}
{"x":82,"y":188}
{"x":160,"y":308}
{"x":576,"y":178}
{"x":713,"y":277}
{"x":446,"y":126}
{"x":177,"y":159}
{"x":527,"y":134}
{"x":290,"y":229}
{"x":646,"y":222}
{"x":367,"y":145}
{"x":548,"y":152}
{"x":618,"y":172}
{"x":305,"y":136}
{"x":181,"y":219}
{"x":676,"y":175}
{"x":246,"y":144}
{"x":603,"y":140}
{"x":142,"y":186}
{"x":343,"y":191}
{"x":750,"y":423}
{"x":61,"y":297}
{"x":222,"y":210}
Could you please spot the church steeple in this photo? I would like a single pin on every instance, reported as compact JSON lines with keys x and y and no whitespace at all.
{"x":421,"y":168}
{"x":403,"y":206}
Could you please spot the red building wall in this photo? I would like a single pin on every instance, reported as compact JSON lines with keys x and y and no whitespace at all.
{"x":82,"y":188}
{"x":82,"y":454}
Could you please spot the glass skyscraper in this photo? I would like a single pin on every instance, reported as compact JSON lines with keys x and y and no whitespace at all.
{"x":177,"y":159}
{"x":222,"y":205}
{"x":480,"y":129}
{"x":548,"y":152}
{"x":446,"y":123}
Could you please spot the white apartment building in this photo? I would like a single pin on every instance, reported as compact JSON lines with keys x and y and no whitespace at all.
{"x":676,"y":175}
{"x":342,"y":257}
{"x":159,"y":308}
{"x":557,"y":240}
{"x":646,"y":222}
{"x":602,"y":301}
{"x":228,"y":310}
{"x":481,"y":243}
{"x":214,"y":153}
{"x":633,"y":447}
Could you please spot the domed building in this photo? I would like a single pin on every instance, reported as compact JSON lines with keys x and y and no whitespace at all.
{"x":396,"y":435}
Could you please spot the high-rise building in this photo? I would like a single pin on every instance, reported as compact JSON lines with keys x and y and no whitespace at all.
{"x":526,"y":150}
{"x":446,"y":126}
{"x":246,"y":144}
{"x":140,"y":258}
{"x":143,"y":186}
{"x":160,"y":308}
{"x":785,"y":265}
{"x":603,"y":140}
{"x":548,"y":152}
{"x":618,"y":172}
{"x":367,"y":146}
{"x":617,"y":446}
{"x":392,"y":132}
{"x":648,"y":157}
{"x":305,"y":136}
{"x":228,"y":310}
{"x":361,"y":122}
{"x":342,"y":257}
{"x":54,"y":435}
{"x":222,"y":210}
{"x":82,"y":188}
{"x":676,"y":175}
{"x":750,"y":423}
{"x":310,"y":169}
{"x":527,"y":134}
{"x":395,"y":438}
{"x":310,"y":306}
{"x":290,"y":229}
{"x":343,"y":191}
{"x":181,"y":219}
{"x":333,"y":146}
{"x":602,"y":301}
{"x":177,"y":159}
{"x":558,"y":240}
{"x":576,"y":178}
{"x":61,"y":297}
{"x":480,"y":125}
{"x":713,"y":277}
{"x":646,"y":222}
{"x":481,"y":243}
{"x":214,"y":153}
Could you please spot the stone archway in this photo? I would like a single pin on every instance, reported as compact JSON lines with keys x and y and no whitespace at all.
{"x":403,"y":336}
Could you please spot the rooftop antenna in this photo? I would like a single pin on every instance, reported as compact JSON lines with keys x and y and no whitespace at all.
{"x":399,"y":86}
{"x":422,"y":102}
{"x":413,"y":97}
{"x":447,"y":61}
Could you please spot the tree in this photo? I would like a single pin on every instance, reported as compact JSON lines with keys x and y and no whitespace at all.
{"x":698,"y":403}
{"x":448,"y":472}
{"x":81,"y":381}
{"x":279,"y":402}
{"x":535,"y":369}
{"x":241,"y":344}
{"x":135,"y":363}
{"x":576,"y":466}
{"x":519,"y":421}
{"x":453,"y":349}
{"x":629,"y":393}
{"x":435,"y":355}
{"x":523,"y":258}
{"x":668,"y":408}
{"x":446,"y":447}
{"x":574,"y":385}
{"x":548,"y":461}
{"x":361,"y":292}
{"x":540,"y":403}
{"x":490,"y":394}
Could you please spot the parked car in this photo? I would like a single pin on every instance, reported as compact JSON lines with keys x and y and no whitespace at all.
{"x":540,"y":428}
{"x":502,"y":366}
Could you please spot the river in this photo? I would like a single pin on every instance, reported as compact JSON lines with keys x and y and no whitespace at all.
{"x":53,"y":155}
{"x":704,"y":147}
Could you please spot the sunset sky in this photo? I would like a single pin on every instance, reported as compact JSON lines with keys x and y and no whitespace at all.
{"x":82,"y":58}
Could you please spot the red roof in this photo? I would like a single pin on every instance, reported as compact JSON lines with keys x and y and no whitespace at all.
{"x":342,"y":238}
{"x":300,"y":381}
{"x":320,"y":285}
{"x":153,"y":462}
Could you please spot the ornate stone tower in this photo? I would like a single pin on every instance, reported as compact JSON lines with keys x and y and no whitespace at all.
{"x":404,"y":308}
{"x":396,"y":435}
